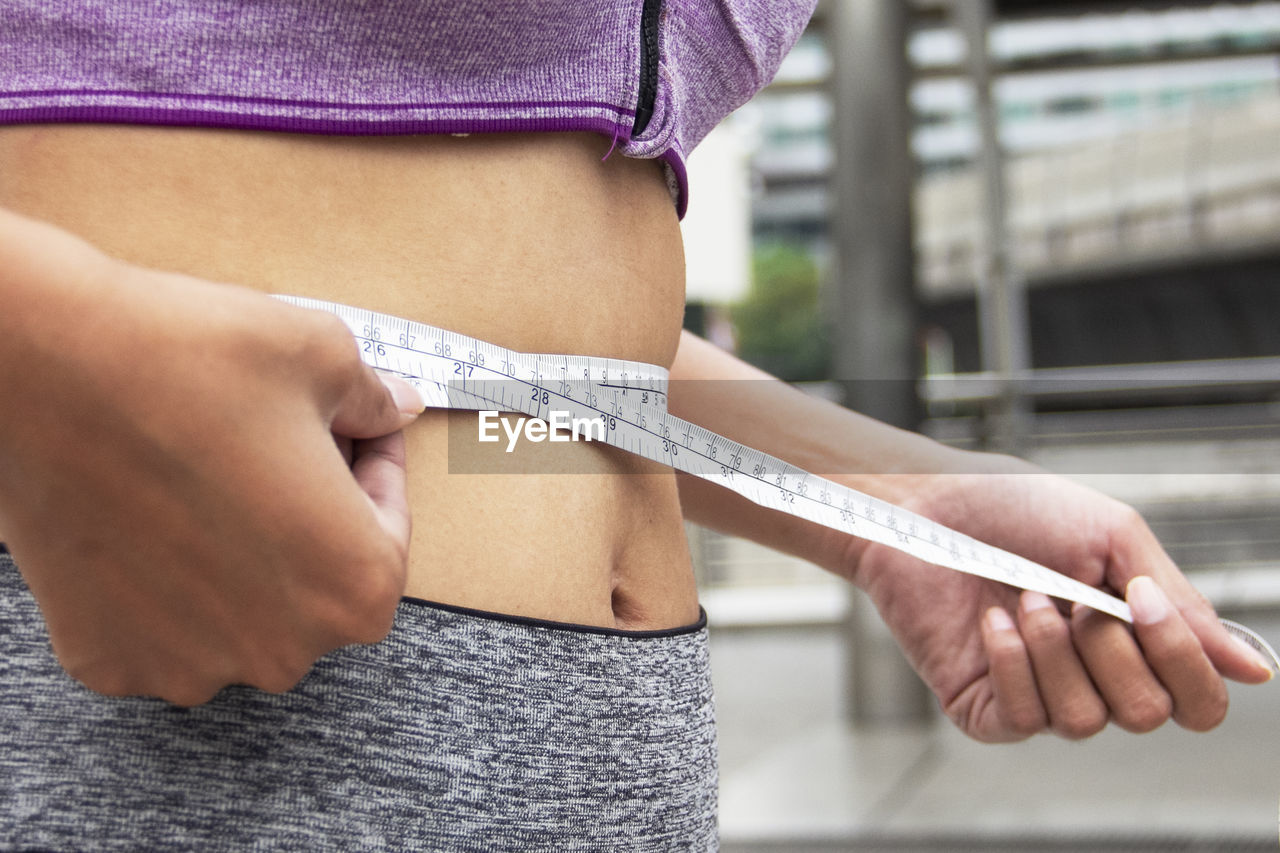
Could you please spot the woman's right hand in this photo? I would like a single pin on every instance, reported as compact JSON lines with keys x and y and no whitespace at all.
{"x":202,"y":485}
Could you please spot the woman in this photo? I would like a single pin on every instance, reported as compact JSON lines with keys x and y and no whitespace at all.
{"x":203,"y":487}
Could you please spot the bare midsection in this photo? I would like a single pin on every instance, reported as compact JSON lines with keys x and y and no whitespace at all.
{"x":530,"y":242}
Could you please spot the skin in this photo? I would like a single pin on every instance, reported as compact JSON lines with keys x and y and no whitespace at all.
{"x":170,"y":551}
{"x":532,"y":243}
{"x":1040,"y":668}
{"x":238,"y":504}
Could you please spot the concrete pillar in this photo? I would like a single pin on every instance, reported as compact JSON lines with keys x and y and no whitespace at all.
{"x":1001,"y":292}
{"x":873,"y":295}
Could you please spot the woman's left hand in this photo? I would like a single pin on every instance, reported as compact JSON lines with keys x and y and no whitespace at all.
{"x":1006,"y":665}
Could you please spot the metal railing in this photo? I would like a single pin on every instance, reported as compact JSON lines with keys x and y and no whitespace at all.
{"x":1207,"y":182}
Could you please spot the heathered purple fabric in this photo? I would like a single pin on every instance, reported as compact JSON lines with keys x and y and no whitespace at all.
{"x":393,"y":67}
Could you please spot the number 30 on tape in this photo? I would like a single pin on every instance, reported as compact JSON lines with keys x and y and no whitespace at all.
{"x":629,"y":398}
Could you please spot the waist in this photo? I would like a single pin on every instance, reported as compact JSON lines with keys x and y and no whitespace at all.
{"x":532,"y":242}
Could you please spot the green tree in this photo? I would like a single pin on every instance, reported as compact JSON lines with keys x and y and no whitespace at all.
{"x":778,"y":325}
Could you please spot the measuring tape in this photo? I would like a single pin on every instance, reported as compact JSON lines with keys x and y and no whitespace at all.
{"x":453,"y":371}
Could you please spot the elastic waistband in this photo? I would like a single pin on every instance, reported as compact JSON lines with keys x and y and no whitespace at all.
{"x":554,"y":625}
{"x":459,"y":731}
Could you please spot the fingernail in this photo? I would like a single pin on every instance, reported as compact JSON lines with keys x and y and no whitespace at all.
{"x":1035,"y":601}
{"x":1146,"y":600}
{"x":998,"y":620}
{"x":407,"y":398}
{"x":1256,"y":656}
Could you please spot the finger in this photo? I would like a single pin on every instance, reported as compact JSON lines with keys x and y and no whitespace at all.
{"x":378,"y":465}
{"x":375,"y":404}
{"x":1075,"y":709}
{"x":1176,"y":657}
{"x":345,"y":447}
{"x":1138,"y":701}
{"x":1139,"y":553}
{"x":1012,"y":678}
{"x":1230,"y":655}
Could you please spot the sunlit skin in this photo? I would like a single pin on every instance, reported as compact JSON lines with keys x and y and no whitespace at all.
{"x":213,"y":502}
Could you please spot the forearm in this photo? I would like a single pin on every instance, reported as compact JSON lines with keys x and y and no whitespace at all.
{"x":170,"y":478}
{"x":46,"y":277}
{"x":997,"y":678}
{"x":721,"y":393}
{"x":35,"y":257}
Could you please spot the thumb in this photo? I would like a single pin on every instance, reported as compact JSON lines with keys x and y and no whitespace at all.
{"x":1230,"y":654}
{"x":376,"y":404}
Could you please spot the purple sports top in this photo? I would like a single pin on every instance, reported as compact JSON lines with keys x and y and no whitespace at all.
{"x":655,"y":76}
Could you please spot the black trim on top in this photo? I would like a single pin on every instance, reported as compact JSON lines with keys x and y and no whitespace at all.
{"x":649,"y":15}
{"x":550,"y":624}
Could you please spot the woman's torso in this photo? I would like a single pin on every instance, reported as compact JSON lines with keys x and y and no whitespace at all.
{"x":535,"y":242}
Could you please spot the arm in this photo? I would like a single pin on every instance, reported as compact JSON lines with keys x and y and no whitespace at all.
{"x":715,"y":390}
{"x":172,"y":473}
{"x":1002,"y":665}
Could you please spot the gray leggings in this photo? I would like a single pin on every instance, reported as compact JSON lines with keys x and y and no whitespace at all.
{"x":463,"y":731}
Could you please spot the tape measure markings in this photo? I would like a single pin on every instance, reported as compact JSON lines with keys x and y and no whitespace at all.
{"x":631,"y":397}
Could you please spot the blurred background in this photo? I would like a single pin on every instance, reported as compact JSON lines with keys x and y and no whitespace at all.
{"x":1039,"y":227}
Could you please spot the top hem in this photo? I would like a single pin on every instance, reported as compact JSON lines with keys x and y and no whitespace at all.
{"x":619,"y":131}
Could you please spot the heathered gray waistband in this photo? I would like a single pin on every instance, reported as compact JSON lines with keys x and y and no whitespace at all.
{"x":461,"y":731}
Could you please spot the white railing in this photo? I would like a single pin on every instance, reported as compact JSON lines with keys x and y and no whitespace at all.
{"x":1206,"y":182}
